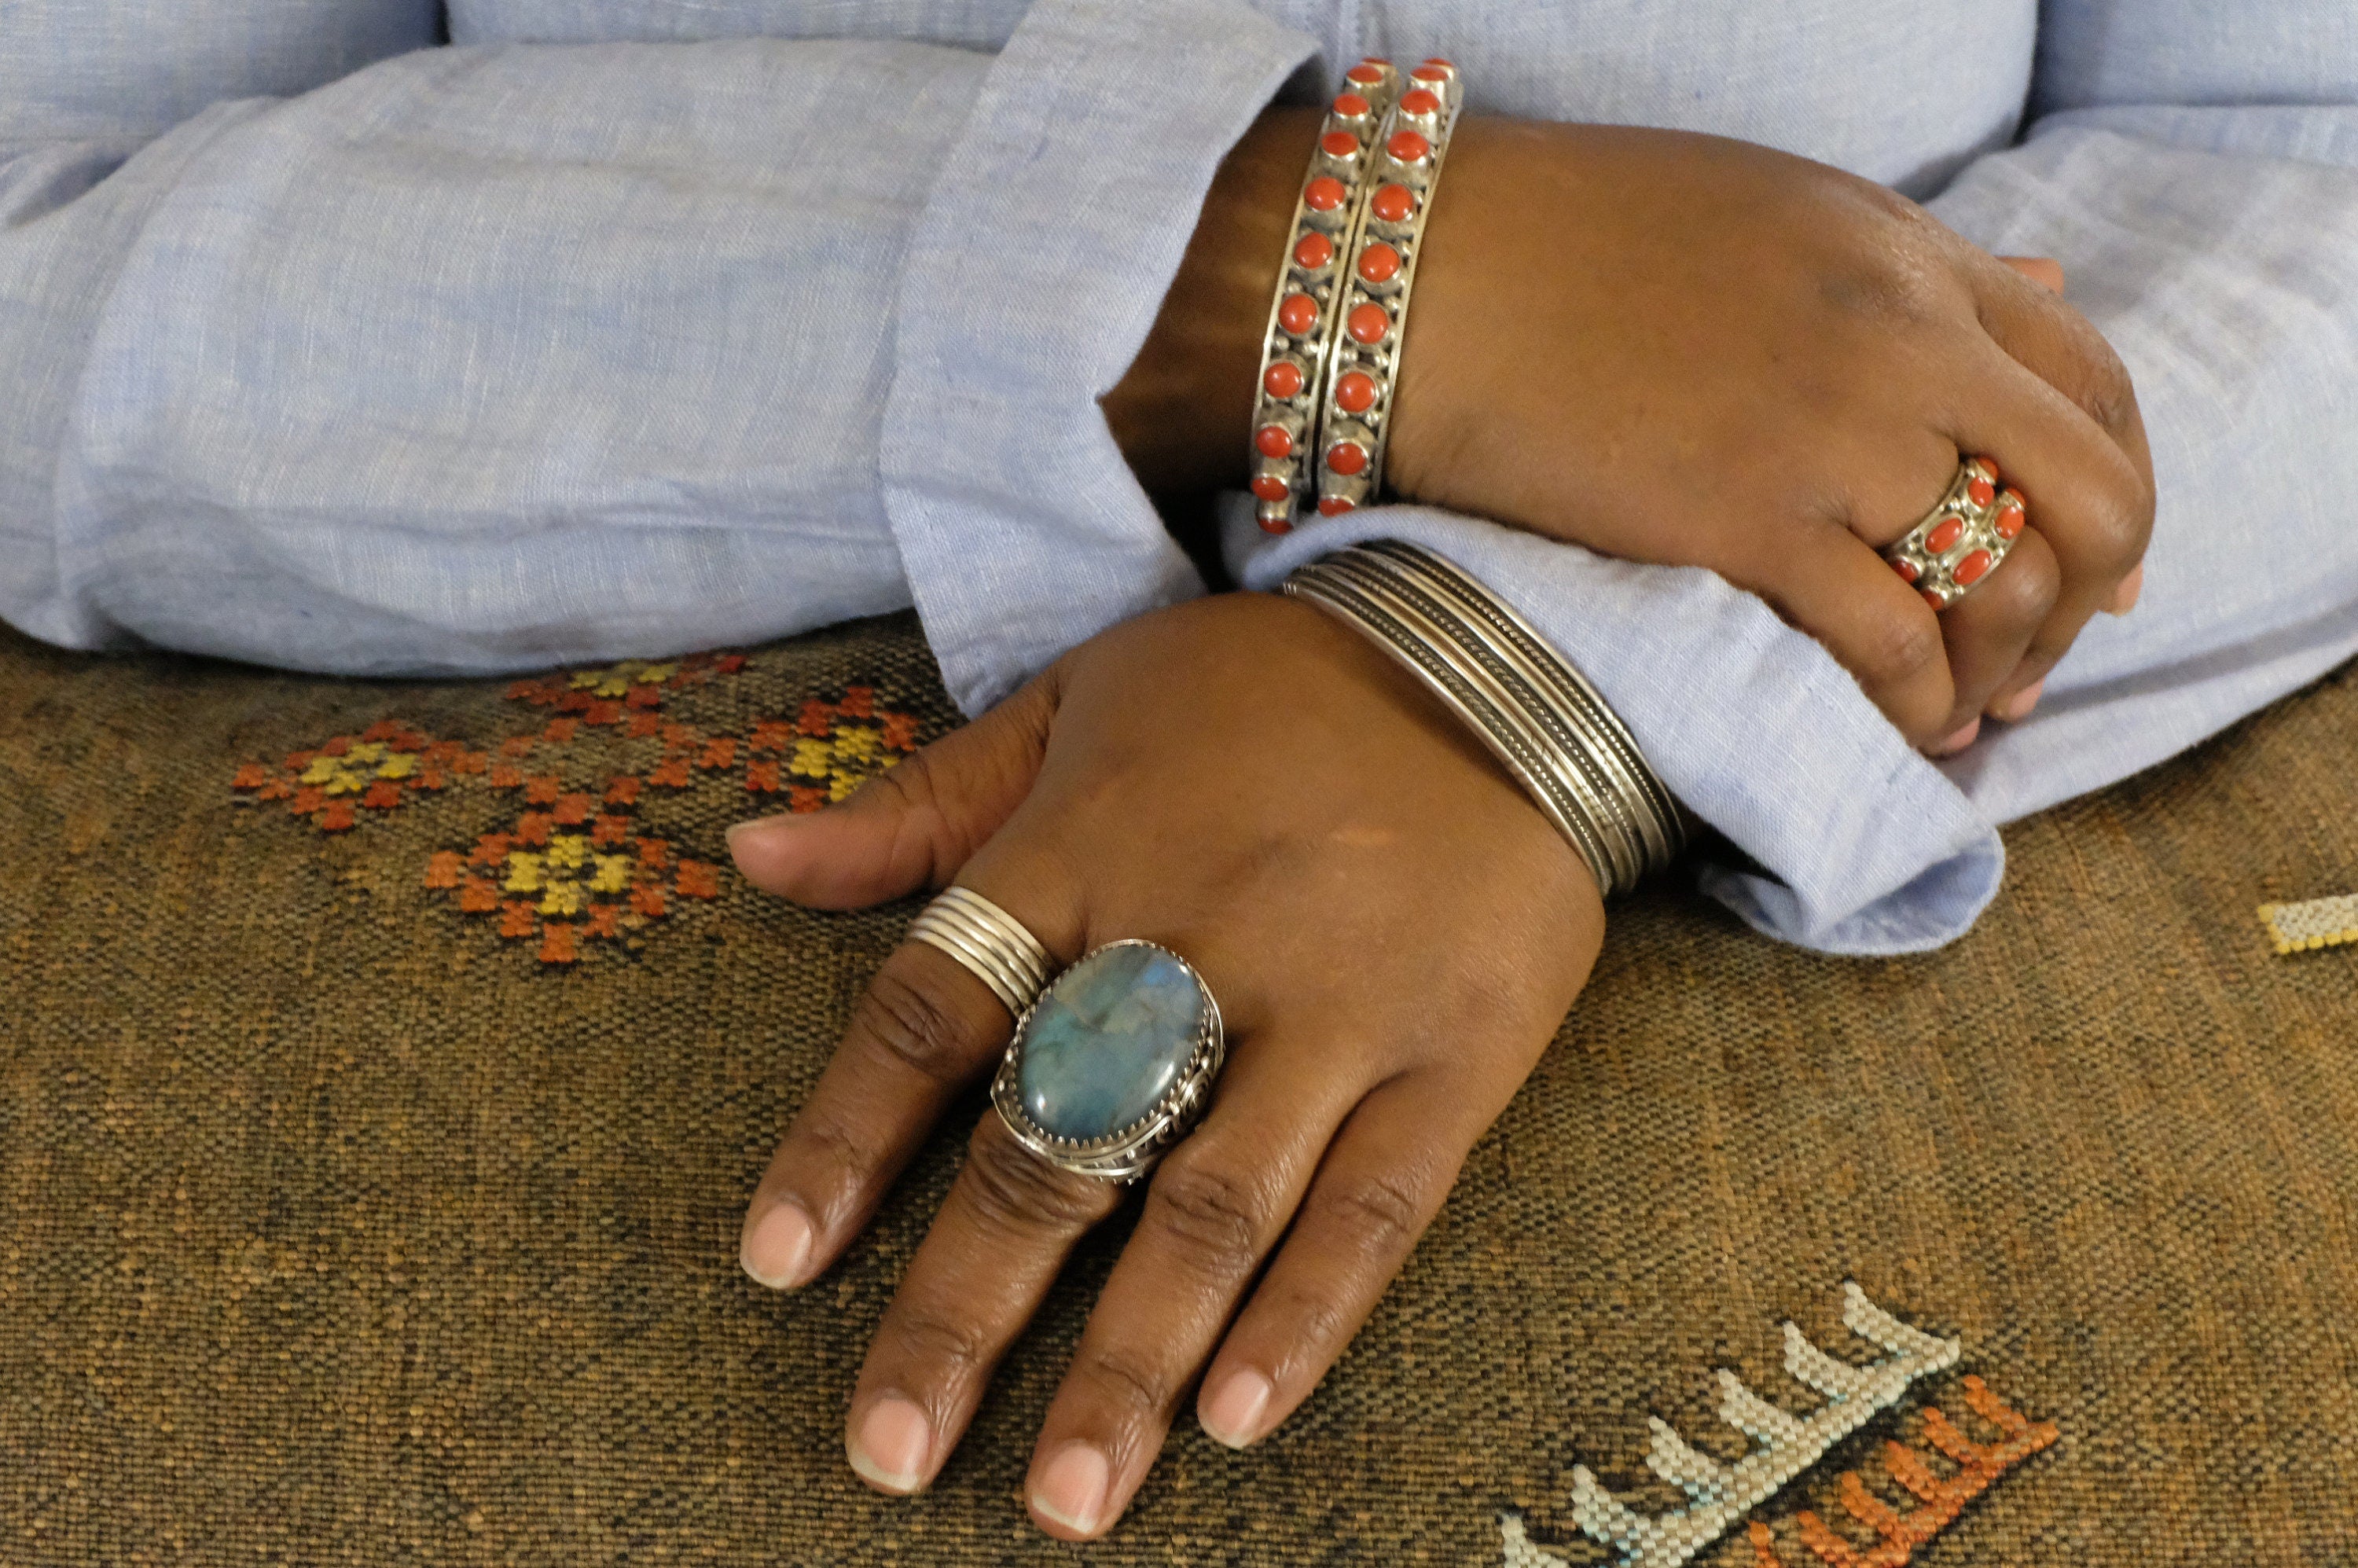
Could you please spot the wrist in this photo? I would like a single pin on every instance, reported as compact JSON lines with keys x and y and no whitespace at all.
{"x":1181,"y":412}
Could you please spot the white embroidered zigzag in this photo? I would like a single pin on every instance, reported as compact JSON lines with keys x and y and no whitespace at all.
{"x":1787,"y":1444}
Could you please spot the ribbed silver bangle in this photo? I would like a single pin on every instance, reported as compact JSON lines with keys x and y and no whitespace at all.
{"x":1535,"y":712}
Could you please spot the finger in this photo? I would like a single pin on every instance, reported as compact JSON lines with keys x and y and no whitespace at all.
{"x":924,"y":1029}
{"x":2044,"y":271}
{"x":1823,"y":579}
{"x":1382,"y":1182}
{"x":1216,"y":1205}
{"x":2086,"y":495}
{"x":1006,"y":1228}
{"x":912,"y":826}
{"x":1988,"y":630}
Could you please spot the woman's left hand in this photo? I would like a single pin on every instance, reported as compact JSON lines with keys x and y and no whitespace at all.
{"x":1393,"y":934}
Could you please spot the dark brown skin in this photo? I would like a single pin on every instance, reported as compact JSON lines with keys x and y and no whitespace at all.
{"x":1393,"y":933}
{"x":1682,"y":349}
{"x":1668,"y":347}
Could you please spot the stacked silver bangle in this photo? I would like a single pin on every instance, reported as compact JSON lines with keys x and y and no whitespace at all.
{"x":1304,"y":318}
{"x":1364,"y":364}
{"x":1527,"y":704}
{"x":991,"y":944}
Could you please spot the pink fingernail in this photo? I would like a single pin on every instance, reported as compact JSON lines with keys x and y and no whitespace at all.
{"x":1232,"y":1415}
{"x":2017,"y":707}
{"x":2124,"y":596}
{"x":778,"y":1247}
{"x":1959,"y":740}
{"x":893,"y":1445}
{"x":1072,"y":1489}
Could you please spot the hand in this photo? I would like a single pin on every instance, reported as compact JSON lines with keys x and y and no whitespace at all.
{"x":1392,"y":931}
{"x":1677,"y":348}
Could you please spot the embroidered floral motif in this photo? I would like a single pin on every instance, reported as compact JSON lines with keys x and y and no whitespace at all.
{"x":1940,"y":1499}
{"x":571,"y":871}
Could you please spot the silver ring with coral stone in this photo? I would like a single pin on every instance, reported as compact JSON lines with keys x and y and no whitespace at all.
{"x":1961,"y":541}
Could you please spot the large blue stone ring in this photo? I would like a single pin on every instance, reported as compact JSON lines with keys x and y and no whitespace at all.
{"x":1113,"y":1062}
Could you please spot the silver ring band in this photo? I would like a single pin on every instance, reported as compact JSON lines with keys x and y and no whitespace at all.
{"x":991,"y":944}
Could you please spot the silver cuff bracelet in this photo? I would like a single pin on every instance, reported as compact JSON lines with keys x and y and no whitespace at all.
{"x":1527,"y":704}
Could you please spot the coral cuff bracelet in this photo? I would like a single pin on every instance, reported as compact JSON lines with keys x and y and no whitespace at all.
{"x":1331,"y":351}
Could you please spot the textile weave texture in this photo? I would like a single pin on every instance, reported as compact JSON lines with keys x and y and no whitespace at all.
{"x":336,"y":1227}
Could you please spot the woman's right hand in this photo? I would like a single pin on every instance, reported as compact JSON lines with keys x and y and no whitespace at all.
{"x":1678,"y":348}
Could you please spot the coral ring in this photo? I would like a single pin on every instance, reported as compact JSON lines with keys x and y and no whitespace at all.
{"x":1961,"y":541}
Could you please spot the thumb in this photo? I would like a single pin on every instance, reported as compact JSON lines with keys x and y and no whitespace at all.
{"x":913,"y":826}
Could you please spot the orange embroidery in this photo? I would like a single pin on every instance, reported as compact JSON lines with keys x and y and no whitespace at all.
{"x":1940,"y":1500}
{"x":570,"y":872}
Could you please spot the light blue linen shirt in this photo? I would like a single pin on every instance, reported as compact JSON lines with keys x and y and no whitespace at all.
{"x":628,"y":326}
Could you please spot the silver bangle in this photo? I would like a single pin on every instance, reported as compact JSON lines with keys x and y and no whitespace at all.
{"x":990,"y":943}
{"x":1525,"y":702}
{"x":1364,"y":364}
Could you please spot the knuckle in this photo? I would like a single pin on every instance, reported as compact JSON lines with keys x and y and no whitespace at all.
{"x":1900,"y":650}
{"x":1317,"y":1323}
{"x":1123,"y":1382}
{"x":1895,"y":287}
{"x":900,"y":1020}
{"x":1214,"y":1214}
{"x":829,"y":1143}
{"x":2107,"y":392}
{"x":1011,"y":1189}
{"x":940,"y":1339}
{"x":1377,"y":1214}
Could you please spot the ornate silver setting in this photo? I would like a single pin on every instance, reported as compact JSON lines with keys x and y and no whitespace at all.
{"x":992,"y":945}
{"x":1321,"y":229}
{"x":1962,"y":540}
{"x":1130,"y":1152}
{"x":1355,"y":413}
{"x":1521,"y":698}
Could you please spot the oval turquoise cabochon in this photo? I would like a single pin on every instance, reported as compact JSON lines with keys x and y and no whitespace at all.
{"x":1108,"y":1039}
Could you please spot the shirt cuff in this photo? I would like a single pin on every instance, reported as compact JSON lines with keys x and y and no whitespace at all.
{"x":1861,"y":847}
{"x":1054,"y":230}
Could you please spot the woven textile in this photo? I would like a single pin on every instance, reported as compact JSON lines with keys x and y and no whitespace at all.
{"x":338,"y":1227}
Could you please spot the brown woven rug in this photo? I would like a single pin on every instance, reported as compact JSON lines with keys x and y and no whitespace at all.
{"x":369,"y":1193}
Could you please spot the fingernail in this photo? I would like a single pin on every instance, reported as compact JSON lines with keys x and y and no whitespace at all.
{"x":2124,"y":596}
{"x":1232,"y":1415}
{"x":1958,"y":742}
{"x":892,"y":1446}
{"x":2019,"y":705}
{"x":778,"y":1246}
{"x":1072,"y":1489}
{"x":735,"y":830}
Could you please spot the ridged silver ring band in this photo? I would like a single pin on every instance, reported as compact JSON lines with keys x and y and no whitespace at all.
{"x":991,"y":944}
